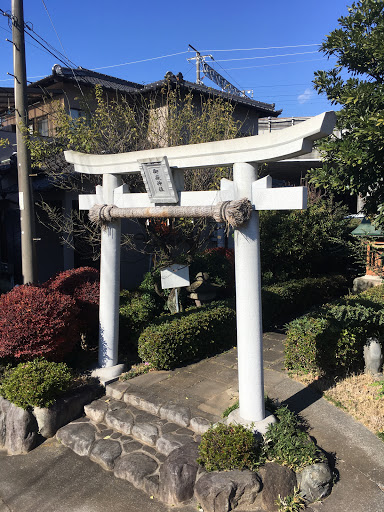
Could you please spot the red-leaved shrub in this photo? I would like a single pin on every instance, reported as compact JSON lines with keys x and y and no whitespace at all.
{"x":36,"y":321}
{"x":83,"y":284}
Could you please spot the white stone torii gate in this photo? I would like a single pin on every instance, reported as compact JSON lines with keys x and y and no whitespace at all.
{"x":244,"y":154}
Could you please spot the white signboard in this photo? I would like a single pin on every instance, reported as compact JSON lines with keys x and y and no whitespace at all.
{"x":158,"y":181}
{"x":175,"y":276}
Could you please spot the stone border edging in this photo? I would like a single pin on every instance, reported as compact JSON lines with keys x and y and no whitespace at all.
{"x":20,"y":429}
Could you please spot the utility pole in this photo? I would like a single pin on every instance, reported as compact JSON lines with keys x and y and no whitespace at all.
{"x":198,"y":58}
{"x":27,"y":214}
{"x":212,"y":74}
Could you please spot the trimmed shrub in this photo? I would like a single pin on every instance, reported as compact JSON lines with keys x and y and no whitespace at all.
{"x":331,"y":338}
{"x":75,"y":282}
{"x":35,"y":321}
{"x":305,"y":336}
{"x":284,"y":300}
{"x":227,"y":447}
{"x":288,"y":444}
{"x":195,"y":334}
{"x":83,"y":285}
{"x":37,"y":383}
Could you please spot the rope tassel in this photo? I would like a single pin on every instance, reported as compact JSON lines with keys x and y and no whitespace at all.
{"x":233,"y":213}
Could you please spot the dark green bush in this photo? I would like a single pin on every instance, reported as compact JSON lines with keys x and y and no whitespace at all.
{"x":287,"y":443}
{"x":139,"y":307}
{"x":227,"y":447}
{"x":331,"y":338}
{"x":303,"y":344}
{"x":311,"y":242}
{"x":285,"y":300}
{"x":199,"y":332}
{"x":37,"y":383}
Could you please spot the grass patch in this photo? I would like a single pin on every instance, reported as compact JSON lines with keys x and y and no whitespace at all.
{"x":359,"y":395}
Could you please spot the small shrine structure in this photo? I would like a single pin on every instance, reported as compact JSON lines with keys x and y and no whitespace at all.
{"x":373,"y":239}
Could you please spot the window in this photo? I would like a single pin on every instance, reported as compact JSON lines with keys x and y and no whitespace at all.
{"x":75,"y":113}
{"x":42,"y":126}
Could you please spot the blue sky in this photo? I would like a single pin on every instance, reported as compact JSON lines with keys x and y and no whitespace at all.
{"x":96,"y":34}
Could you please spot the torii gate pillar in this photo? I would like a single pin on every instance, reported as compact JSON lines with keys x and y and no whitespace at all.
{"x":248,"y":302}
{"x":109,"y":280}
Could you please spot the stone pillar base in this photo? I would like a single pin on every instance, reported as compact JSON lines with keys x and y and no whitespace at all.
{"x":258,"y":427}
{"x":108,"y":374}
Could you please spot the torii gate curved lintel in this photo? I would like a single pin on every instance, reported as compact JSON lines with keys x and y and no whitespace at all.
{"x":271,"y":147}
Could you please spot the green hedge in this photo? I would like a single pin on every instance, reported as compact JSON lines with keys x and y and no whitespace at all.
{"x":288,"y":299}
{"x":331,"y":338}
{"x":194,"y":334}
{"x":37,"y":383}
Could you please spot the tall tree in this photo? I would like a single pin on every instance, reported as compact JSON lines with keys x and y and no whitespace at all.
{"x":354,"y":158}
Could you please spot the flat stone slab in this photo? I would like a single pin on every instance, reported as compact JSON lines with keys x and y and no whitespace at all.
{"x":105,"y":452}
{"x":77,"y":436}
{"x":120,"y":419}
{"x":199,"y":425}
{"x":143,"y":400}
{"x":176,"y":413}
{"x":116,"y":389}
{"x":96,"y":410}
{"x":146,"y":432}
{"x":167,"y":443}
{"x":136,"y":468}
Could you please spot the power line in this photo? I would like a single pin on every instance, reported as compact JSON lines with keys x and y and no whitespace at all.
{"x":265,"y":48}
{"x":57,"y":35}
{"x":278,"y":64}
{"x":138,"y":61}
{"x":48,"y":50}
{"x":266,"y":56}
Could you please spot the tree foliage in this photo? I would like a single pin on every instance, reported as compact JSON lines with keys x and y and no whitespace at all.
{"x":307,"y":243}
{"x":354,"y":159}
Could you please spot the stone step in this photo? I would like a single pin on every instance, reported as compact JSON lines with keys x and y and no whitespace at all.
{"x":115,"y":416}
{"x":171,"y":411}
{"x":132,"y":442}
